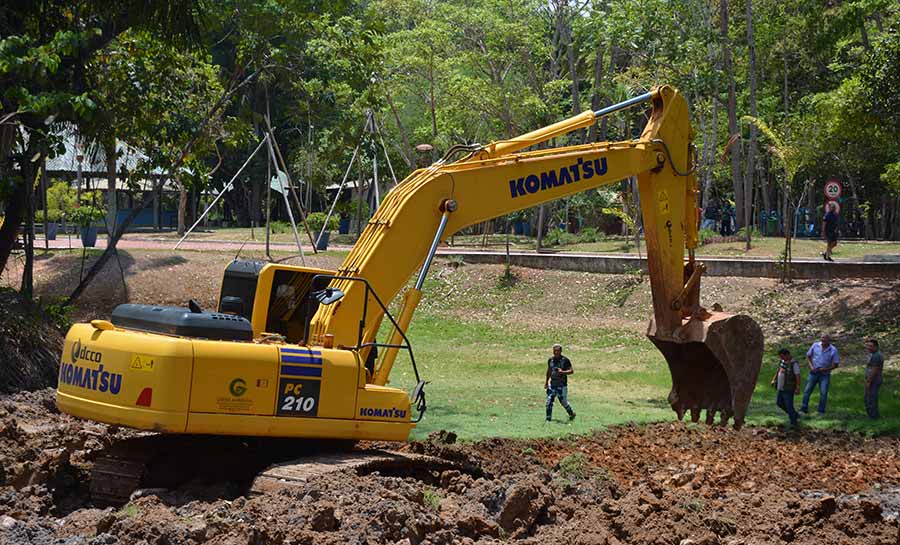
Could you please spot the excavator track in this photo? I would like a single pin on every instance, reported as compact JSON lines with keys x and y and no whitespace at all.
{"x":169,"y":461}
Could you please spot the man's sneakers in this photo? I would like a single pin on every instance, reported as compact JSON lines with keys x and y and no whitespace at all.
{"x":572,"y":415}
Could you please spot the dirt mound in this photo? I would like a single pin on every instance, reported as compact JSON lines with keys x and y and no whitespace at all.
{"x":661,"y":484}
{"x":30,"y":345}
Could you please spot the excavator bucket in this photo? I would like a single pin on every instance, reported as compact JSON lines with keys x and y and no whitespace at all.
{"x":714,"y":364}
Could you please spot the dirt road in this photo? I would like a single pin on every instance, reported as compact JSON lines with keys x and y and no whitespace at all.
{"x":660,"y":484}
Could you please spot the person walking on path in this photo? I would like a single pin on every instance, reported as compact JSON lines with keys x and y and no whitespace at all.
{"x":787,"y":383}
{"x":874,"y":372}
{"x":830,"y":230}
{"x":558,"y":370}
{"x":822,"y":357}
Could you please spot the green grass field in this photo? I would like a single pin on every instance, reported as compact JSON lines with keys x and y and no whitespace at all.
{"x":486,"y":364}
{"x":486,"y":382}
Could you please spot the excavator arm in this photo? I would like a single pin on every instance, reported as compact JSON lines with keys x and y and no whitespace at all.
{"x":714,"y":358}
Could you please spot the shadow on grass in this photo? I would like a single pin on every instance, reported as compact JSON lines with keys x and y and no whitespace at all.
{"x":167,"y":261}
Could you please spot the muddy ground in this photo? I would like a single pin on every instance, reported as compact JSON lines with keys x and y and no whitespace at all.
{"x":660,"y":484}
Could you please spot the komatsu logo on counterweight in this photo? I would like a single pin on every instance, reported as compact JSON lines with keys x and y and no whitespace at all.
{"x":581,"y":170}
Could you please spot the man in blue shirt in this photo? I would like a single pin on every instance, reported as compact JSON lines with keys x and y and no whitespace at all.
{"x":822,"y":357}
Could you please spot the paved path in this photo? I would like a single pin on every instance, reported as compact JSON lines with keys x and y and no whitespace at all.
{"x":754,"y":267}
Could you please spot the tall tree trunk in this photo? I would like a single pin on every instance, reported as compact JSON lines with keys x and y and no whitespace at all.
{"x":540,"y":226}
{"x":407,"y":153}
{"x":27,"y":289}
{"x":16,"y":204}
{"x":573,"y":68}
{"x":432,"y":105}
{"x":595,"y":97}
{"x":111,"y":193}
{"x":182,"y":205}
{"x":733,"y":131}
{"x":751,"y":154}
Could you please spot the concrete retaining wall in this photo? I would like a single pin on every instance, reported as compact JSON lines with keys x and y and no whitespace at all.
{"x":755,"y":268}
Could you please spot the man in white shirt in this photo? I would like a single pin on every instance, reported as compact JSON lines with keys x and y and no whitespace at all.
{"x":821,"y":358}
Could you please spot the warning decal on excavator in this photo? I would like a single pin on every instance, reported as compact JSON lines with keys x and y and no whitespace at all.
{"x":663,"y":199}
{"x":142,"y":362}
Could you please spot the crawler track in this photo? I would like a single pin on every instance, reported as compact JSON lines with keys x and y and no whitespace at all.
{"x":169,"y":461}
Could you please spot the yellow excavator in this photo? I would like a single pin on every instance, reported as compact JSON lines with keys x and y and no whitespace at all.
{"x":292,"y":351}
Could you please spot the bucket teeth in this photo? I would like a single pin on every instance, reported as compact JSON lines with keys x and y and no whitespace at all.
{"x":714,"y":366}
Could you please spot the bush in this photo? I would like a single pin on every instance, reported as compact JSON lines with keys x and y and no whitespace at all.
{"x":85,"y":216}
{"x":591,"y":234}
{"x":347,"y":209}
{"x":61,"y":197}
{"x":53,"y":216}
{"x":754,"y":233}
{"x":556,"y":237}
{"x":280,"y":227}
{"x":317,"y":219}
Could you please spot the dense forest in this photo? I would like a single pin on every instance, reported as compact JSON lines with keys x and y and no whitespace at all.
{"x":785,"y":95}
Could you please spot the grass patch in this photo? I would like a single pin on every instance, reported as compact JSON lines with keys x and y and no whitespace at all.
{"x":130,"y":510}
{"x":433,"y":499}
{"x":488,"y":380}
{"x":845,"y":409}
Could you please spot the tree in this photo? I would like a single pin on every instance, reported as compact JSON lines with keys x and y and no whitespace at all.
{"x":43,"y":59}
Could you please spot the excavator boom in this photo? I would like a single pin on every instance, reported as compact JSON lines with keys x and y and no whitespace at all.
{"x":714,"y":358}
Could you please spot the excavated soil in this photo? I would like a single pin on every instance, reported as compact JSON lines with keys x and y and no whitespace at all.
{"x":659,"y":484}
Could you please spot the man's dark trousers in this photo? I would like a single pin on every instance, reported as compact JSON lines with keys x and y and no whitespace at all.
{"x":785,"y":401}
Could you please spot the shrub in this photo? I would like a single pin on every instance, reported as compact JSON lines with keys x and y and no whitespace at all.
{"x":347,"y":209}
{"x":279,"y":227}
{"x":317,"y":219}
{"x":556,"y":237}
{"x":85,"y":216}
{"x":591,"y":234}
{"x":754,"y":233}
{"x":61,"y":197}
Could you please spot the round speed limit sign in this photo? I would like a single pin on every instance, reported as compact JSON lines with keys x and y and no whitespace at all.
{"x":833,"y":189}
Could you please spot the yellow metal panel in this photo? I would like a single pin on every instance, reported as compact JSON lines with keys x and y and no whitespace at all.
{"x":104,"y":372}
{"x":233,"y":377}
{"x":339,"y":383}
{"x":383,"y":403}
{"x":272,"y":426}
{"x":135,"y":417}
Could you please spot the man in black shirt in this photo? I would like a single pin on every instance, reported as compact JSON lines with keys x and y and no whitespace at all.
{"x":830,"y":229}
{"x":558,"y":370}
